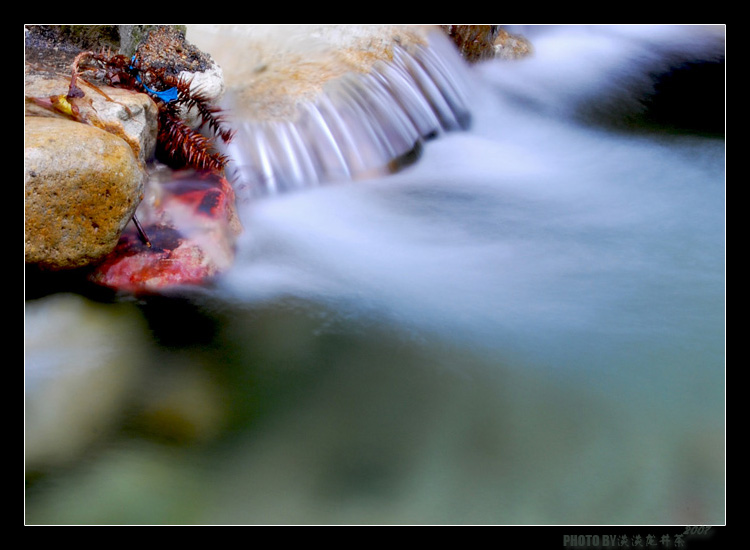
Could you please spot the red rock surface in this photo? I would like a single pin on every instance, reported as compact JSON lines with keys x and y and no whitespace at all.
{"x":191,"y":224}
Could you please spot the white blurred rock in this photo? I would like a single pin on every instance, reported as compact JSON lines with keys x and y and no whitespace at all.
{"x":81,"y":360}
{"x":209,"y":84}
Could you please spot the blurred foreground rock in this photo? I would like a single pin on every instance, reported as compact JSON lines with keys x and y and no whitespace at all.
{"x":82,"y":359}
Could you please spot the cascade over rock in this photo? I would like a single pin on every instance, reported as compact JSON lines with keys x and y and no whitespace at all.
{"x":323,"y":104}
{"x":320,"y":104}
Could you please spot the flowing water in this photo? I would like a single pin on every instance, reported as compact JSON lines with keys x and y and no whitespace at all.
{"x":526,"y":325}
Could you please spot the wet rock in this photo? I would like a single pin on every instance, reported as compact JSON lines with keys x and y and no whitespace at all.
{"x":475,"y":42}
{"x":482,"y":42}
{"x":81,"y":361}
{"x":82,"y":186}
{"x":511,"y":46}
{"x":191,"y":223}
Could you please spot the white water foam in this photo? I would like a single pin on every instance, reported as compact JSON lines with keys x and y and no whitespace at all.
{"x":530,"y":223}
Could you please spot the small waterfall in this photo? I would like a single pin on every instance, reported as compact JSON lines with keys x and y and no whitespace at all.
{"x":362,"y":124}
{"x":534,"y":221}
{"x":526,"y":326}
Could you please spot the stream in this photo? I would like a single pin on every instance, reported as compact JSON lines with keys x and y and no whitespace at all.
{"x":524,"y":326}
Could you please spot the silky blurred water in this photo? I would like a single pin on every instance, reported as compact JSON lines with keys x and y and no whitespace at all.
{"x":526,"y":326}
{"x":535,"y":233}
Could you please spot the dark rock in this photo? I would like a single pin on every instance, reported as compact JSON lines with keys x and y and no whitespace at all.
{"x":166,"y":48}
{"x":475,"y":42}
{"x":482,"y":42}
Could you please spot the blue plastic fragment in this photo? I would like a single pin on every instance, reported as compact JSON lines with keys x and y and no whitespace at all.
{"x":167,"y":95}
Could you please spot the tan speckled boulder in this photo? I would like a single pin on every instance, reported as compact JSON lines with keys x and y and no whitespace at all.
{"x":82,"y":186}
